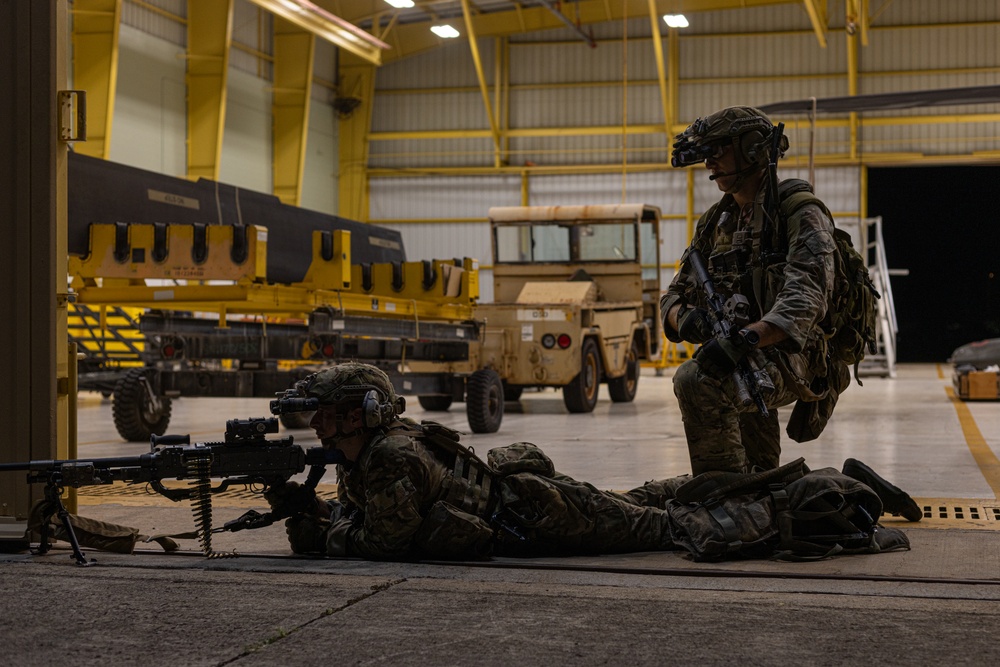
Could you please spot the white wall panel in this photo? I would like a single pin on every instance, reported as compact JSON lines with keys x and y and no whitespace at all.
{"x":155,"y":24}
{"x":757,"y":19}
{"x":603,"y":149}
{"x":575,"y":61}
{"x":441,"y":197}
{"x":936,"y":11}
{"x":760,"y":55}
{"x":246,"y":143}
{"x":319,"y":181}
{"x":150,"y":122}
{"x":450,"y":65}
{"x":435,"y":111}
{"x":603,"y":105}
{"x":400,"y":154}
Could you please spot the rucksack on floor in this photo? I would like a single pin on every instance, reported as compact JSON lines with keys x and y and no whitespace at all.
{"x":785,"y":513}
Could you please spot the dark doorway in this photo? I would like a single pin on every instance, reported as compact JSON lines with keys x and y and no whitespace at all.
{"x":940,"y":223}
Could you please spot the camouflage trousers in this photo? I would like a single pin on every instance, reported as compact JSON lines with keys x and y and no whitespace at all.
{"x":558,"y":515}
{"x":721,"y":433}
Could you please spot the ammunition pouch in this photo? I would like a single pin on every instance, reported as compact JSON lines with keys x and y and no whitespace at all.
{"x":447,"y":531}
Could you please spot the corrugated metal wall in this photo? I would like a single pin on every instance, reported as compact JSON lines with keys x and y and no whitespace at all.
{"x":745,"y":56}
{"x":150,"y":130}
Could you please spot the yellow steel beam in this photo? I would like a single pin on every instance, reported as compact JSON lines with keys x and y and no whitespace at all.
{"x":673,"y":77}
{"x":95,"y":68}
{"x":294,"y":55}
{"x":326,"y":25}
{"x":256,"y":298}
{"x":816,"y":9}
{"x":357,"y":83}
{"x":483,"y":86}
{"x":661,"y":74}
{"x":209,"y":35}
{"x":852,"y":88}
{"x":412,"y":38}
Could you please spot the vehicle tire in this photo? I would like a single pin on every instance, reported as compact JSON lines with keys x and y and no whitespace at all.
{"x":512,"y":392}
{"x":580,"y":395}
{"x":136,"y":416}
{"x":435,"y":403}
{"x":484,"y":401}
{"x":296,"y":421}
{"x":622,"y":389}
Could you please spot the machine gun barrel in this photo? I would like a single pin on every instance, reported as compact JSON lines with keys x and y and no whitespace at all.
{"x":748,"y":382}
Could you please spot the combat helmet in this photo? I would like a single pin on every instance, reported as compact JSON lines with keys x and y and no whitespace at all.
{"x":747,"y":129}
{"x":353,"y":384}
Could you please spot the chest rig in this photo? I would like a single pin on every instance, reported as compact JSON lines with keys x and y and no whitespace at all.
{"x":736,"y":257}
{"x":471,"y":486}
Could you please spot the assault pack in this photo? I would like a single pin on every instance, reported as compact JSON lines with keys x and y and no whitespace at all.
{"x":853,"y":315}
{"x":788,"y":513}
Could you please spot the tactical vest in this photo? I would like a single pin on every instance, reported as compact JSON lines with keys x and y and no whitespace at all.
{"x":471,"y":487}
{"x":852,"y":314}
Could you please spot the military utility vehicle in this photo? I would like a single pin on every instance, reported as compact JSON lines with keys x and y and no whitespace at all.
{"x":576,"y":299}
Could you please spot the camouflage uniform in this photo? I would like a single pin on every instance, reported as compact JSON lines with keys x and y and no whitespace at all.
{"x":793,"y":295}
{"x":399,"y":489}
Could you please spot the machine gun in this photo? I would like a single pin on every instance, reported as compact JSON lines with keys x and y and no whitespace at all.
{"x":728,"y":318}
{"x":246,"y":457}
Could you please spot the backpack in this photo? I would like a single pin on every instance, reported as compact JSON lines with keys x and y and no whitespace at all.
{"x":853,"y":315}
{"x":788,"y":513}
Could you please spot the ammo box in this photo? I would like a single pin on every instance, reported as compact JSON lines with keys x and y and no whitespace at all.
{"x":977,"y":385}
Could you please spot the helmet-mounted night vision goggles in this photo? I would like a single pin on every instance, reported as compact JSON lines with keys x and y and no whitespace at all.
{"x":707,"y":137}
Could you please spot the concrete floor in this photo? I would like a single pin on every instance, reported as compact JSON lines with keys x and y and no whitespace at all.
{"x":933,"y":604}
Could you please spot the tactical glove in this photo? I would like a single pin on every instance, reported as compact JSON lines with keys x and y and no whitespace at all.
{"x":693,"y":325}
{"x":290,"y":498}
{"x":307,"y":534}
{"x":719,"y":358}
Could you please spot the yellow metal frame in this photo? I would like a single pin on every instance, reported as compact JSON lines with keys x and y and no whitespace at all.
{"x":330,"y":281}
{"x":210,"y":36}
{"x":95,"y":68}
{"x":294,"y":58}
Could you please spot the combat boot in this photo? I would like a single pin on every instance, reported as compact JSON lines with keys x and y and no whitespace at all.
{"x":894,"y":500}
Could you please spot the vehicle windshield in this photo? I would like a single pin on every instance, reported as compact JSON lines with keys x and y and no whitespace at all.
{"x":587,"y":241}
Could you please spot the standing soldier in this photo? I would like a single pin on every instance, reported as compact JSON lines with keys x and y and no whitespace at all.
{"x":783,"y":262}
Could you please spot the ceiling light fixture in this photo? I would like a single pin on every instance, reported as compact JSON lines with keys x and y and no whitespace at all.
{"x":675,"y":20}
{"x":400,"y":4}
{"x":444,"y":31}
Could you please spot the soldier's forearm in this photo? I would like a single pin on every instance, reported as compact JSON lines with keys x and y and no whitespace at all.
{"x":769,"y":333}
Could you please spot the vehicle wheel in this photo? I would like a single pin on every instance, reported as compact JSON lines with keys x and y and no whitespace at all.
{"x":296,"y":421}
{"x":137,"y":412}
{"x":512,"y":392}
{"x":484,"y":401}
{"x":622,"y":389}
{"x":580,"y":395}
{"x":435,"y":403}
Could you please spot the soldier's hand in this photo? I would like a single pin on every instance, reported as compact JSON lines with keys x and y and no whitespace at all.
{"x":694,"y":325}
{"x":719,"y":358}
{"x":291,"y":498}
{"x":307,"y":534}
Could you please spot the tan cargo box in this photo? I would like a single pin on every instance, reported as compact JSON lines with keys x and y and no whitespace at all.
{"x":978,"y":385}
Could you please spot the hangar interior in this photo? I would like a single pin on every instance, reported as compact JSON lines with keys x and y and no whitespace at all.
{"x":356,"y":109}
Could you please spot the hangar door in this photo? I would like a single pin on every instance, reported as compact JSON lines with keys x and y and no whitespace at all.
{"x":943,"y":225}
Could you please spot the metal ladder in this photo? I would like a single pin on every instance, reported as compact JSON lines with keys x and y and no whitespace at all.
{"x":867,"y":235}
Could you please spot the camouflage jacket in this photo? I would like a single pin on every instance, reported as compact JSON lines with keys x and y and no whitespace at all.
{"x":792,"y":294}
{"x":395,"y":482}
